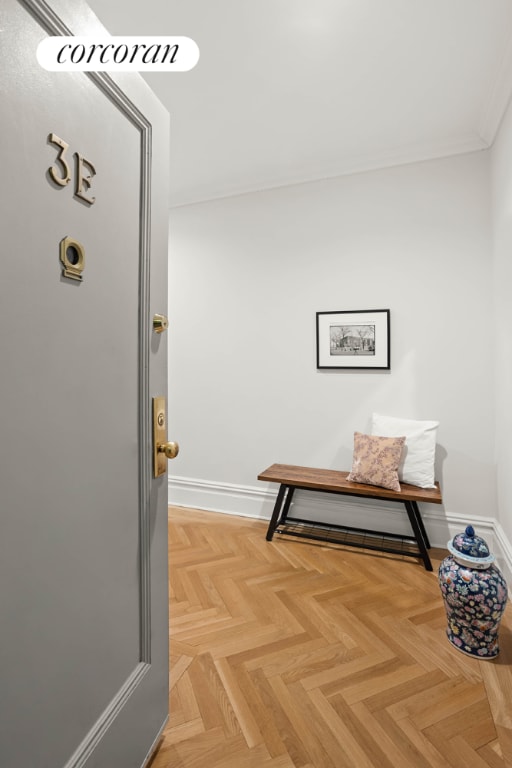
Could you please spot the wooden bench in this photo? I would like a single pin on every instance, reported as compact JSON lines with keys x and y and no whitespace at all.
{"x":291,"y":478}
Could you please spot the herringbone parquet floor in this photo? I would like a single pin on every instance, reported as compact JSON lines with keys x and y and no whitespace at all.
{"x":290,"y":654}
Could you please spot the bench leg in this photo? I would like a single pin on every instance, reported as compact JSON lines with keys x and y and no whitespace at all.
{"x":418,"y":534}
{"x":287,"y":502}
{"x":275,"y":514}
{"x":278,"y":518}
{"x":420,"y":523}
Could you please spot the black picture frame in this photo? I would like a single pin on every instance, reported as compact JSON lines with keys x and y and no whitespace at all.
{"x":353,"y":339}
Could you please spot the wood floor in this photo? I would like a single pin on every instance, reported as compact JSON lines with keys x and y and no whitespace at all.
{"x":290,"y":654}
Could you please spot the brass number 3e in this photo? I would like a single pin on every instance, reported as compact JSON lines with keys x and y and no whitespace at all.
{"x":61,"y":174}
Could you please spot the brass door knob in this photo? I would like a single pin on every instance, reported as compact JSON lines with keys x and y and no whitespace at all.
{"x":171,"y":450}
{"x":160,"y":323}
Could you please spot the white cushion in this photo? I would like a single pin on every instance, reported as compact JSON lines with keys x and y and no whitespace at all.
{"x":419,"y":452}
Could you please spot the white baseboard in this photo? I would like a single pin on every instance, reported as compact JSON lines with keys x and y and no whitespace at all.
{"x":251,"y":501}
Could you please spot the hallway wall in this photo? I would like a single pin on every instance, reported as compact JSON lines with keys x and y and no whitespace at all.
{"x":248,"y":274}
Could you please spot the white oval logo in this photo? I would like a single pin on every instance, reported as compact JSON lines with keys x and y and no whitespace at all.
{"x":118,"y":54}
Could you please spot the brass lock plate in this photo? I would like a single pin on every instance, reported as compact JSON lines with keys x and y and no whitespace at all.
{"x":159,"y":435}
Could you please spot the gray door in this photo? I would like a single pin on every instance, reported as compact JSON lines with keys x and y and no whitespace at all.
{"x":83,"y":524}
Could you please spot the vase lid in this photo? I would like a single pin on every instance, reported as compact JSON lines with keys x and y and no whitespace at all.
{"x":470,"y":549}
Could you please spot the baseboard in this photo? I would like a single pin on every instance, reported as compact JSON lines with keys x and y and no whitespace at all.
{"x":245,"y":501}
{"x":254,"y":502}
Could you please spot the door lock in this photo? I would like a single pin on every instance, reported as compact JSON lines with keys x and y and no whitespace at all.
{"x":162,"y":449}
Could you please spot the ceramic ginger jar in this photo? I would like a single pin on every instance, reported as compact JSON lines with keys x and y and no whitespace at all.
{"x":475,"y":595}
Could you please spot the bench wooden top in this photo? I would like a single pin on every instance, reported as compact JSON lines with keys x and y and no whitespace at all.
{"x":332,"y":480}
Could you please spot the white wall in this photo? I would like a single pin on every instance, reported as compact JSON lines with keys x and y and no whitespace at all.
{"x":247,"y":275}
{"x":501,"y":166}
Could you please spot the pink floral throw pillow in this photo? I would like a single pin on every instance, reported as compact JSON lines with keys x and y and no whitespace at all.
{"x":376,"y":459}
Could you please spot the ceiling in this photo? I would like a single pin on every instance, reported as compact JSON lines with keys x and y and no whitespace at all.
{"x":288,"y":91}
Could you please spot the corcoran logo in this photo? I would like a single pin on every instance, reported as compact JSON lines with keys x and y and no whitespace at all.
{"x":118,"y":54}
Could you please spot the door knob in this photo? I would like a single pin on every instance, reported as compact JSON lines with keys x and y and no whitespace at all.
{"x":171,"y":450}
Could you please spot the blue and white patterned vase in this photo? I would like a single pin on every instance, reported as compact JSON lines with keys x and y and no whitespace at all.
{"x":475,"y":595}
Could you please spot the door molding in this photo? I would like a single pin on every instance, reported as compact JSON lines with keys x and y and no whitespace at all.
{"x":101,"y":726}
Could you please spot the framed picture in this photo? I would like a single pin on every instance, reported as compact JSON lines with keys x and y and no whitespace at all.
{"x":357,"y":339}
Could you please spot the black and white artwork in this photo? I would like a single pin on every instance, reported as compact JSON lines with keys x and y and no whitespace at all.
{"x":353,"y":339}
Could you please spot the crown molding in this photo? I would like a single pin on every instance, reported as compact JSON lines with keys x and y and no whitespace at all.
{"x":348,"y":166}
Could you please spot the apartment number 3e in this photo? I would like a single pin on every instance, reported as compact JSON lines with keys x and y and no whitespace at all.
{"x":62,"y":172}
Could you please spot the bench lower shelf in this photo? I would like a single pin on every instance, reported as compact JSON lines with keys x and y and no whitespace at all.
{"x":362,"y":538}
